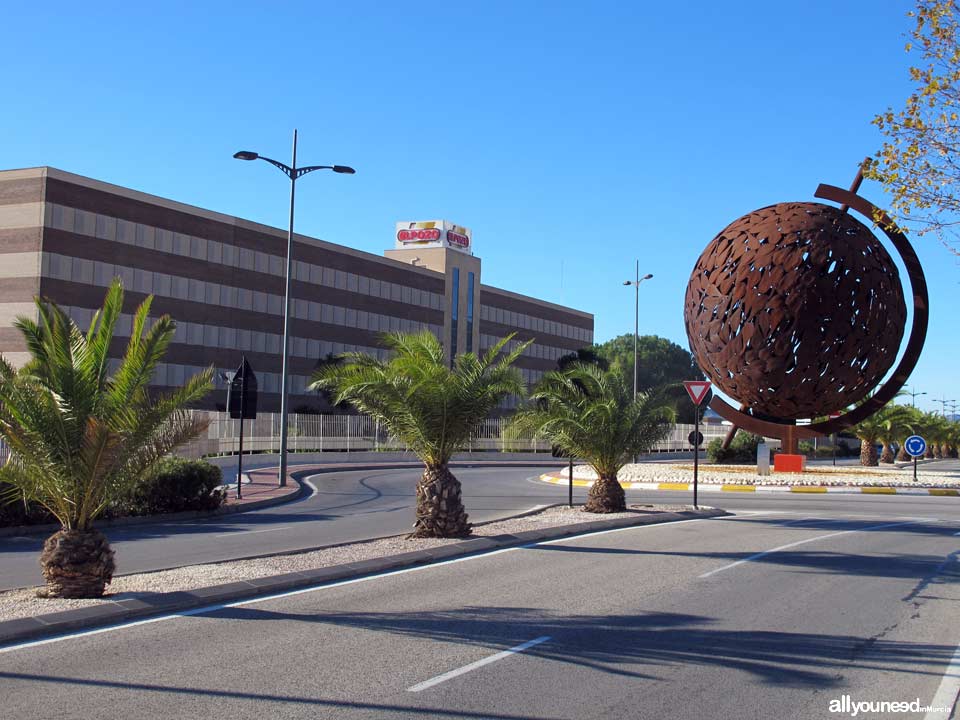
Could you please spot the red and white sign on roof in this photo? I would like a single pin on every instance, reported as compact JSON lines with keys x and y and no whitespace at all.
{"x":434,"y":233}
{"x":697,"y":389}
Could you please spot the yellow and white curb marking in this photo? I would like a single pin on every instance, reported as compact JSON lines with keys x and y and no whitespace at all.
{"x":562,"y":479}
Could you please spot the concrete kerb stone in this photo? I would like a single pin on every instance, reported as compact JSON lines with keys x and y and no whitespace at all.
{"x":556,"y":478}
{"x":119,"y":612}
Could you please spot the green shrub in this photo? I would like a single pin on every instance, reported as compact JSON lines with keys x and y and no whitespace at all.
{"x":176,"y":485}
{"x":743,"y":449}
{"x":17,"y":512}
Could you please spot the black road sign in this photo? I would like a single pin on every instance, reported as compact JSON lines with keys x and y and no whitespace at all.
{"x":242,"y":393}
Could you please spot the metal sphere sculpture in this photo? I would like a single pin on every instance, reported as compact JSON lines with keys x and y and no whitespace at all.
{"x":795,"y":310}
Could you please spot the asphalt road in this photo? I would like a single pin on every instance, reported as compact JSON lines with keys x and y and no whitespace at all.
{"x":351,"y":506}
{"x":756,"y":616}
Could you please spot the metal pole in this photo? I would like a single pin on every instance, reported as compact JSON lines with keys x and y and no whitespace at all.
{"x":696,"y":452}
{"x":570,"y":483}
{"x":243,"y":400}
{"x":914,"y":468}
{"x":636,"y":326}
{"x":286,"y":322}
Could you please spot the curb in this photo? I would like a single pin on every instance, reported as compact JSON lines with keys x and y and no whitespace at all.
{"x":294,"y":494}
{"x":121,"y":611}
{"x":557,"y":479}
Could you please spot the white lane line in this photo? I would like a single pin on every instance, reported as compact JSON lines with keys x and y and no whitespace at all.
{"x":478,"y":664}
{"x":325,"y":586}
{"x":252,"y":532}
{"x":799,"y":542}
{"x":946,"y":694}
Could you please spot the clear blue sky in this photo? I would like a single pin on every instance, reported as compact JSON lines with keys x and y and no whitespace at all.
{"x":573,"y":138}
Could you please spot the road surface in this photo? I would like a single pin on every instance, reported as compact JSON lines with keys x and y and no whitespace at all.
{"x":351,"y":506}
{"x":770,"y":614}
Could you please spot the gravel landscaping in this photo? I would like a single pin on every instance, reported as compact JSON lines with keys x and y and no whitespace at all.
{"x":24,"y":603}
{"x":890,"y":476}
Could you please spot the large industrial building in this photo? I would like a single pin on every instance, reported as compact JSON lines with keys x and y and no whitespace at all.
{"x":65,"y":237}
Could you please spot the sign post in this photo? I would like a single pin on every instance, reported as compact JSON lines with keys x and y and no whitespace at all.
{"x":242,"y":404}
{"x":915,"y":446}
{"x":833,"y":439}
{"x":697,"y":390}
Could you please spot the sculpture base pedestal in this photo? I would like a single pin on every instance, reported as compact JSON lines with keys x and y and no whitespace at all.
{"x":783,"y":462}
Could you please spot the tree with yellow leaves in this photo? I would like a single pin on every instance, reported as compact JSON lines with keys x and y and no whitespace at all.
{"x":918,"y":163}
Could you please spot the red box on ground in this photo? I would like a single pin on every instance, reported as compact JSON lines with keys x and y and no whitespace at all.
{"x":782,"y":462}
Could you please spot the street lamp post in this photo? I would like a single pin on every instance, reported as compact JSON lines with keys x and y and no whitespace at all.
{"x":636,"y":319}
{"x":294,"y":173}
{"x":943,"y":405}
{"x":913,"y":397}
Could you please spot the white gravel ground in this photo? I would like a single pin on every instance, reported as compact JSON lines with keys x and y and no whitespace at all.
{"x":889,"y":476}
{"x":24,"y":603}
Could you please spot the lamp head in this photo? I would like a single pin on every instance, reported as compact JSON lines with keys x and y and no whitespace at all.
{"x":343,"y":169}
{"x":647,"y":276}
{"x":627,"y":282}
{"x":246,"y":155}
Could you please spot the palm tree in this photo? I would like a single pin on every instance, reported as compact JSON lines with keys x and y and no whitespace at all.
{"x":431,"y":407}
{"x":591,"y":413}
{"x":81,"y":436}
{"x":895,"y":420}
{"x":870,"y":430}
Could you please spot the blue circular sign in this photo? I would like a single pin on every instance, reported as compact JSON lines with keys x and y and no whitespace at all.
{"x":915,"y":446}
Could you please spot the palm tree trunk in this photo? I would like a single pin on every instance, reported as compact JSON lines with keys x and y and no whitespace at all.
{"x":606,"y":496}
{"x":886,"y":456}
{"x":868,"y":453}
{"x":76,"y":564}
{"x":440,"y":511}
{"x":902,"y":453}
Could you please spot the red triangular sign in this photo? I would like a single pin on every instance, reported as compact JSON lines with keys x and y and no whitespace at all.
{"x":697,"y":389}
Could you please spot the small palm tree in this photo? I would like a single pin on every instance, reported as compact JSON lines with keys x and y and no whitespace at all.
{"x":895,"y":421}
{"x":870,"y":430}
{"x":81,"y":436}
{"x":430,"y":407}
{"x":591,"y":413}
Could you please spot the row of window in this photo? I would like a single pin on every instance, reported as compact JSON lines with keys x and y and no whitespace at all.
{"x":105,"y":227}
{"x":536,"y":324}
{"x":94,"y":272}
{"x":213,"y":336}
{"x":536,"y":350}
{"x":175,"y":375}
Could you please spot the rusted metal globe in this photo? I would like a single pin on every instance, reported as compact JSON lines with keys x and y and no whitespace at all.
{"x":795,"y":310}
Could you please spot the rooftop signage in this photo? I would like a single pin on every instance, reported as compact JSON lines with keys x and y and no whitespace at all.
{"x":434,"y":233}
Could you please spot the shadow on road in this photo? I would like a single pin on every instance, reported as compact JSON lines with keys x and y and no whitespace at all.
{"x":643,"y":645}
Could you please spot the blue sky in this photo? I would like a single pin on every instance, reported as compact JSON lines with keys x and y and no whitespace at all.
{"x":572,"y":138}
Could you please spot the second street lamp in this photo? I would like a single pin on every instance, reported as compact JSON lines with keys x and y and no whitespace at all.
{"x":294,"y":173}
{"x":636,"y":319}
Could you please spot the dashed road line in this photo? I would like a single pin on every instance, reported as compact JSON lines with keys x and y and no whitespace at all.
{"x":478,"y":664}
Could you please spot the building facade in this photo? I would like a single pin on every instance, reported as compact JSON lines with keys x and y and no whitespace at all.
{"x":221,"y":278}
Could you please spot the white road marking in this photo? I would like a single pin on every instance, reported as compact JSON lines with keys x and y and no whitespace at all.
{"x":316,"y":588}
{"x":759,"y":555}
{"x":252,"y":532}
{"x":946,"y":694}
{"x":478,"y":664}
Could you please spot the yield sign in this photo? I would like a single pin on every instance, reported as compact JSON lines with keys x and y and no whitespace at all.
{"x":697,"y":389}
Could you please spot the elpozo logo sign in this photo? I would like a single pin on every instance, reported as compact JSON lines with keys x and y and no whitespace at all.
{"x":434,"y":233}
